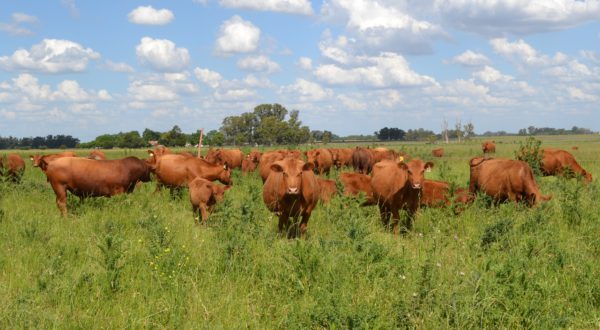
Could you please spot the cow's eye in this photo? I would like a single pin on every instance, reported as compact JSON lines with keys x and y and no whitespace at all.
{"x":409,"y":172}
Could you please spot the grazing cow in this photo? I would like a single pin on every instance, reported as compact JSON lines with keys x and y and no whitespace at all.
{"x":232,"y":157}
{"x":439,"y":152}
{"x":356,"y":183}
{"x":380,"y":154}
{"x":93,"y":178}
{"x":397,"y":186}
{"x":574,"y":148}
{"x":328,"y":189}
{"x":342,"y":157}
{"x":176,"y":171}
{"x":203,"y":196}
{"x":362,"y":160}
{"x":488,"y":147}
{"x":97,"y":155}
{"x":321,"y":158}
{"x":291,"y":191}
{"x":42,"y":161}
{"x":12,"y":166}
{"x":250,"y":162}
{"x":437,"y":194}
{"x":561,"y":162}
{"x":504,"y":179}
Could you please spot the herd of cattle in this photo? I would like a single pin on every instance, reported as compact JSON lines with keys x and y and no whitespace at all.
{"x":293,"y":181}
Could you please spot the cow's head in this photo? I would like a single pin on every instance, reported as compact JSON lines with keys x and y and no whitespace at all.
{"x":219,"y":192}
{"x":292,"y":174}
{"x":416,"y":172}
{"x":225,"y":175}
{"x":213,"y":156}
{"x":587,"y":175}
{"x":312,"y":156}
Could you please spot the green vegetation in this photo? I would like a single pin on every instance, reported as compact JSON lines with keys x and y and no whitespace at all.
{"x":138,"y":260}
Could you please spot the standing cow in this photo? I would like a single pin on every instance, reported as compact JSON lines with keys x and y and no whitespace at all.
{"x":232,"y":157}
{"x":341,"y":157}
{"x":488,"y":147}
{"x":561,"y":162}
{"x":12,"y":166}
{"x":504,"y":179}
{"x":291,"y":191}
{"x":97,"y":155}
{"x":42,"y":161}
{"x":176,"y":171}
{"x":439,"y":152}
{"x":321,"y":158}
{"x":204,"y":195}
{"x":362,"y":160}
{"x":397,"y":186}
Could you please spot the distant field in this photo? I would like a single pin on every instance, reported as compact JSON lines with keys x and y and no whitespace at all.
{"x":139,"y":261}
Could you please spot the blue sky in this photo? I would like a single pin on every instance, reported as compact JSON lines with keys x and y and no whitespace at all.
{"x":351,"y":66}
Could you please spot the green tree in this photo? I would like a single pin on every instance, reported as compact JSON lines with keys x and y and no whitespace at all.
{"x":327,"y":135}
{"x":173,"y":138}
{"x":150,"y":135}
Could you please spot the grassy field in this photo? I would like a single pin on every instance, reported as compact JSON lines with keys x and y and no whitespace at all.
{"x":138,"y":260}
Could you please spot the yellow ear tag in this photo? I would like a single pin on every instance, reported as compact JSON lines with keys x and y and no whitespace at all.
{"x":400,"y":159}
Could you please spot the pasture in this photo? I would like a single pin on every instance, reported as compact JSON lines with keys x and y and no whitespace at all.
{"x":138,"y":260}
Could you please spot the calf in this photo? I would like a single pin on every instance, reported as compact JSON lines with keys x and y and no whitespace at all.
{"x":176,"y":171}
{"x":328,"y":189}
{"x":322,"y":160}
{"x":203,"y":196}
{"x":439,"y":152}
{"x":12,"y":166}
{"x":488,"y":147}
{"x":355,"y":184}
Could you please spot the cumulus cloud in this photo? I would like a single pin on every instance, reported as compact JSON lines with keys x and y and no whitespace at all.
{"x":471,"y":59}
{"x":306,"y":91}
{"x":237,"y":36}
{"x":17,"y":24}
{"x":162,"y":55}
{"x":50,"y":56}
{"x":235,"y":95}
{"x":147,"y":15}
{"x":118,"y":66}
{"x":260,"y":63}
{"x":301,"y":7}
{"x":524,"y":54}
{"x":501,"y":17}
{"x":157,"y":89}
{"x":210,"y":78}
{"x":305,"y":63}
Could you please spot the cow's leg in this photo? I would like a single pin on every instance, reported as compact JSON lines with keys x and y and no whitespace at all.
{"x":158,"y":187}
{"x":196,"y":214}
{"x":396,"y":223}
{"x":385,"y":214}
{"x":61,"y":197}
{"x":204,"y":212}
{"x":283,"y":223}
{"x":304,"y":224}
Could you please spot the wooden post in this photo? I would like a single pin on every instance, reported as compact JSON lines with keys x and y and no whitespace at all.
{"x":200,"y":142}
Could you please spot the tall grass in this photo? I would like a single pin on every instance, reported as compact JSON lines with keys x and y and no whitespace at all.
{"x":139,"y":261}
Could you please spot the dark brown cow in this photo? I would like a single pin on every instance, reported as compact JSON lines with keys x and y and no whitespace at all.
{"x":12,"y":166}
{"x":380,"y":154}
{"x":328,"y":189}
{"x":488,"y":147}
{"x":439,"y":152}
{"x":504,"y":179}
{"x":397,"y":186}
{"x":203,"y":196}
{"x":342,"y":157}
{"x":321,"y":158}
{"x":97,"y":155}
{"x":92,"y":178}
{"x":561,"y":162}
{"x":42,"y":161}
{"x":291,"y":191}
{"x":232,"y":157}
{"x":357,"y":183}
{"x":362,"y":160}
{"x":176,"y":171}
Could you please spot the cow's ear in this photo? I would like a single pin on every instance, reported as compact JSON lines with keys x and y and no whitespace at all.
{"x":31,"y":157}
{"x":151,"y":153}
{"x":308,"y":167}
{"x":225,"y":167}
{"x":276,"y":168}
{"x":428,"y":166}
{"x":403,"y":166}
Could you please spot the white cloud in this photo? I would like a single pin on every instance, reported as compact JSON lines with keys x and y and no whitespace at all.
{"x":471,"y":59}
{"x":302,"y":7}
{"x":50,"y":56}
{"x":162,"y":55}
{"x":577,"y":94}
{"x":24,"y":18}
{"x":210,"y":78}
{"x":351,"y":103}
{"x":235,"y":95}
{"x":490,"y":75}
{"x":306,"y":91}
{"x":237,"y":36}
{"x":260,"y":63}
{"x":69,"y":90}
{"x":305,"y":63}
{"x":142,"y":91}
{"x":501,"y":17}
{"x":524,"y":54}
{"x":118,"y":66}
{"x":147,"y":15}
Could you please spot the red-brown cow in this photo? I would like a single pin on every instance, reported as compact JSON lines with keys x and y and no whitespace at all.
{"x":381,"y":153}
{"x":488,"y":147}
{"x":561,"y":162}
{"x":12,"y":166}
{"x":504,"y":179}
{"x":93,"y":178}
{"x":437,"y":194}
{"x":439,"y":152}
{"x":291,"y":191}
{"x":203,"y":196}
{"x":266,"y":160}
{"x":321,"y":158}
{"x":357,"y":183}
{"x":574,"y":148}
{"x":250,"y":162}
{"x":97,"y":155}
{"x":328,"y":189}
{"x":232,"y":157}
{"x":342,"y":157}
{"x":362,"y":160}
{"x":397,"y":186}
{"x":42,"y":161}
{"x":176,"y":171}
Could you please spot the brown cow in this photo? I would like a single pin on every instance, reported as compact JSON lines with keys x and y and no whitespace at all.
{"x":203,"y":196}
{"x":561,"y":162}
{"x":12,"y":166}
{"x":381,"y":153}
{"x":356,"y":183}
{"x":321,"y":158}
{"x":328,"y":189}
{"x":250,"y":163}
{"x":439,"y":152}
{"x":291,"y":190}
{"x":97,"y":155}
{"x":342,"y":157}
{"x":504,"y":179}
{"x":362,"y":160}
{"x":266,"y":160}
{"x":397,"y":186}
{"x":574,"y":148}
{"x":42,"y":161}
{"x":232,"y":157}
{"x":488,"y":147}
{"x":176,"y":171}
{"x":92,"y":178}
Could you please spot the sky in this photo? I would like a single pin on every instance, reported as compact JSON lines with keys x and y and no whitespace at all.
{"x":87,"y":68}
